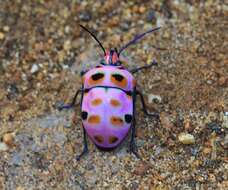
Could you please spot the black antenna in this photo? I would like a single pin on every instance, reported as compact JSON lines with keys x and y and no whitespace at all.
{"x":136,"y":38}
{"x":94,"y":38}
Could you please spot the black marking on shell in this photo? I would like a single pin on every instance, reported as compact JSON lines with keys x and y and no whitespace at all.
{"x":97,"y":76}
{"x":118,"y":77}
{"x":129,"y":93}
{"x":128,"y":118}
{"x":84,"y":115}
{"x":86,"y":90}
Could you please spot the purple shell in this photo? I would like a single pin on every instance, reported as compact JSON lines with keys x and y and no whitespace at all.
{"x":107,"y":113}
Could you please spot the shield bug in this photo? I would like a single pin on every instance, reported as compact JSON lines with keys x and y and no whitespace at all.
{"x":108,"y":97}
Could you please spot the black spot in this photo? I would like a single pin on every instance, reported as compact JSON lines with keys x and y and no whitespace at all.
{"x":129,"y":93}
{"x":98,"y":66}
{"x":128,"y":118}
{"x":86,"y":90}
{"x":97,"y":76}
{"x":118,"y":77}
{"x":84,"y":115}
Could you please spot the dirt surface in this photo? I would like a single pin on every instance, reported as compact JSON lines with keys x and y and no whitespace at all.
{"x":42,"y":51}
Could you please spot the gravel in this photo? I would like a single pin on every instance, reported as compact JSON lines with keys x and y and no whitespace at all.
{"x":42,"y":51}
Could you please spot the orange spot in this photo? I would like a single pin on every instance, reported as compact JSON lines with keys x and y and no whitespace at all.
{"x":94,"y":119}
{"x":96,"y":102}
{"x":99,"y":138}
{"x":117,"y":121}
{"x":121,"y":83}
{"x":113,"y":139}
{"x":115,"y":103}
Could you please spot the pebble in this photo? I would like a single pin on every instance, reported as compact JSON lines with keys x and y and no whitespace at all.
{"x":186,"y":138}
{"x":6,"y":28}
{"x":225,"y":141}
{"x":166,"y":9}
{"x":12,"y":91}
{"x":20,"y":188}
{"x":141,"y":169}
{"x":34,"y":68}
{"x":17,"y":159}
{"x":223,"y":81}
{"x":67,"y":29}
{"x":59,"y":138}
{"x":85,"y":16}
{"x":8,"y":139}
{"x":91,"y":178}
{"x":125,"y":26}
{"x":142,"y":9}
{"x":67,"y":45}
{"x":215,"y":127}
{"x":166,"y":121}
{"x":225,"y":121}
{"x":154,"y":98}
{"x":3,"y":147}
{"x":187,"y":125}
{"x":207,"y":150}
{"x":202,"y":60}
{"x":150,"y":16}
{"x":2,"y":35}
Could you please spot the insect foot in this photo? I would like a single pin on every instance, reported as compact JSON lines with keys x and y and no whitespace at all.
{"x":85,"y":151}
{"x":60,"y":106}
{"x":133,"y":149}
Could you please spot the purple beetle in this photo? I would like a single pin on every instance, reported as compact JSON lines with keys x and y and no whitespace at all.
{"x":108,"y":97}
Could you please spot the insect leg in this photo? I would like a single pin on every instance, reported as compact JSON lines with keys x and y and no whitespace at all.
{"x":70,"y":105}
{"x":133,"y":147}
{"x":153,"y":114}
{"x":154,"y":63}
{"x":85,"y":148}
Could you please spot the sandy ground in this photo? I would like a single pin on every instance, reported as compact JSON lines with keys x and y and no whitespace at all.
{"x":42,"y":51}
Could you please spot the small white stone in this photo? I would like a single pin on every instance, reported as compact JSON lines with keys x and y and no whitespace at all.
{"x":225,"y":120}
{"x":34,"y":68}
{"x":65,"y":67}
{"x":3,"y":147}
{"x":67,"y":45}
{"x":152,"y":97}
{"x":67,"y":29}
{"x":186,"y":138}
{"x":6,"y":28}
{"x":2,"y":35}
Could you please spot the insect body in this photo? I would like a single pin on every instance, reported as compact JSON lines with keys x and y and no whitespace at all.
{"x":107,"y":105}
{"x":108,"y":96}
